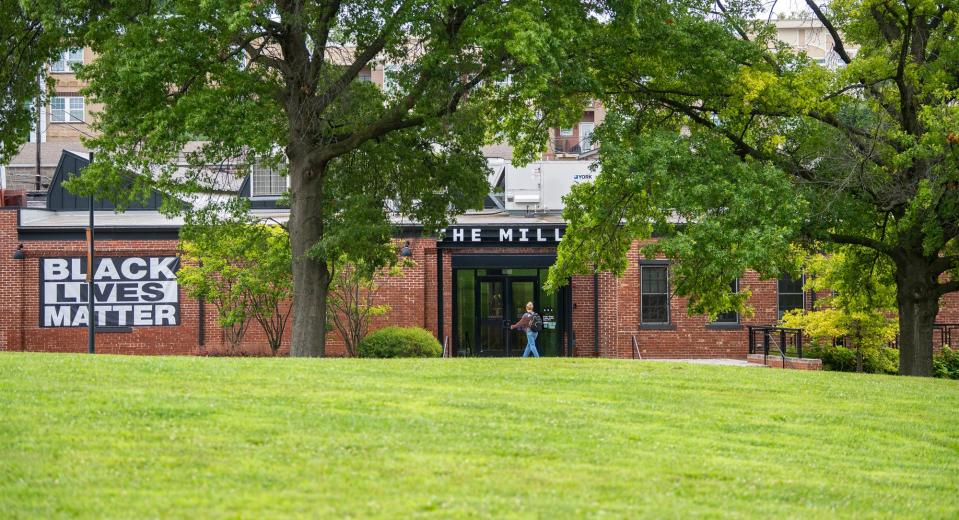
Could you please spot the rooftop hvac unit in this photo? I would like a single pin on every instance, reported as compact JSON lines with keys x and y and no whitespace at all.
{"x":544,"y":183}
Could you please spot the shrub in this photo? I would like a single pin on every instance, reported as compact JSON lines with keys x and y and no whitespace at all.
{"x":880,"y":361}
{"x":842,"y":359}
{"x":395,"y":342}
{"x":838,"y":358}
{"x":946,"y":363}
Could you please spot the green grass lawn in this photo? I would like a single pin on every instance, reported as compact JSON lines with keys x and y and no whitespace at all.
{"x":139,"y":437}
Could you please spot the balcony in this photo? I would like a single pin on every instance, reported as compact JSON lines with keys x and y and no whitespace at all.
{"x":572,"y":146}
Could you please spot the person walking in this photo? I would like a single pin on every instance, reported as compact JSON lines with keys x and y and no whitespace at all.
{"x":531,"y":324}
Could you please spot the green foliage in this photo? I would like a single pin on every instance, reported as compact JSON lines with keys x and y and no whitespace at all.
{"x":691,"y":192}
{"x":752,"y":151}
{"x":880,"y":360}
{"x":352,"y":299}
{"x":214,"y":259}
{"x":240,"y":265}
{"x":838,"y":358}
{"x":411,"y":147}
{"x":860,"y":305}
{"x":230,"y":83}
{"x":397,"y":342}
{"x":946,"y":363}
{"x":32,"y":34}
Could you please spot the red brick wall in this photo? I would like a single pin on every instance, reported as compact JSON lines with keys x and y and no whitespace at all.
{"x":20,"y":311}
{"x":412,"y":296}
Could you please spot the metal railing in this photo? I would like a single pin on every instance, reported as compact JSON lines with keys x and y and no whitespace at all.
{"x":572,"y":145}
{"x":766,"y":338}
{"x":943,"y":332}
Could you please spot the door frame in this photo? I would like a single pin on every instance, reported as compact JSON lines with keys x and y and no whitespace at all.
{"x":473,"y":261}
{"x":507,"y":281}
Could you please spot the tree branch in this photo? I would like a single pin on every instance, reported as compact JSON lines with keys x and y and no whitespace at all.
{"x":742,"y":34}
{"x":841,"y":238}
{"x":321,"y":36}
{"x":836,"y":38}
{"x":336,"y":88}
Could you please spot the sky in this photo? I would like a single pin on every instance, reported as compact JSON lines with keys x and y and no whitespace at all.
{"x":789,"y":6}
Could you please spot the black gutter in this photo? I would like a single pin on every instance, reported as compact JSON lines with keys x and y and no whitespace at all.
{"x":103,"y":233}
{"x":596,"y":311}
{"x":568,"y":304}
{"x":439,"y":295}
{"x":201,"y":327}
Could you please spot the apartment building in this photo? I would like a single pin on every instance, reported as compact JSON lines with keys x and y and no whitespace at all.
{"x":60,"y":125}
{"x":806,"y":33}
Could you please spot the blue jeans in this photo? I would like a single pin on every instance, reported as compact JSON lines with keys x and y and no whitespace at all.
{"x":531,"y":344}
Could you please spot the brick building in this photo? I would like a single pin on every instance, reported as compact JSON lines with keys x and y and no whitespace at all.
{"x":467,"y":286}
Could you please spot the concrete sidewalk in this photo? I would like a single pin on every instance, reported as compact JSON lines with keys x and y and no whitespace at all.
{"x":710,"y":361}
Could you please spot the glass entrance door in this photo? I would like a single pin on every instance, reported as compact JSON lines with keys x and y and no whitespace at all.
{"x":521,"y":291}
{"x":488,"y":301}
{"x":491,"y":313}
{"x":501,"y":302}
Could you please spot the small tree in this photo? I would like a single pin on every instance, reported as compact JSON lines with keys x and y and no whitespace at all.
{"x":351,"y":300}
{"x":242,"y":266}
{"x":268,"y":280}
{"x":211,"y":271}
{"x":861,"y":306}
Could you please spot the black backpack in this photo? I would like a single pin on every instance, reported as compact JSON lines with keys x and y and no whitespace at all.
{"x":537,"y":324}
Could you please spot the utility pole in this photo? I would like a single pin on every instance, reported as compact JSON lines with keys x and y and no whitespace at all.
{"x":39,"y":130}
{"x":91,"y":322}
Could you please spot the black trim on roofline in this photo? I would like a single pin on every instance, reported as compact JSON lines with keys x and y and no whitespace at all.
{"x":103,"y":233}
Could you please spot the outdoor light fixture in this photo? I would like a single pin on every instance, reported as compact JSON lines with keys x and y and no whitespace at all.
{"x":405,"y":250}
{"x":18,"y":254}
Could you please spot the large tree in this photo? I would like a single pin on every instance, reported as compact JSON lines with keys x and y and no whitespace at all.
{"x":32,"y":34}
{"x":278,"y":83}
{"x":739,"y":148}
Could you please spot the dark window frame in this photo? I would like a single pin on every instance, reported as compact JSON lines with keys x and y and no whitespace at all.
{"x":655,"y":264}
{"x":780,"y":293}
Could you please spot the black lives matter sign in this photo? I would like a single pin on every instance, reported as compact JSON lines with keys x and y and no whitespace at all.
{"x":133,"y":291}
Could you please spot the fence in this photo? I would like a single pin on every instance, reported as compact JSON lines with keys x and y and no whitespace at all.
{"x":781,"y":340}
{"x":942,"y":336}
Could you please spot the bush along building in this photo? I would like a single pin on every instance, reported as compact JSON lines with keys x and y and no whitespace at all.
{"x":466,"y":287}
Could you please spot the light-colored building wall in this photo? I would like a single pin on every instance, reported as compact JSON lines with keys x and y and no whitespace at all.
{"x":807,"y":34}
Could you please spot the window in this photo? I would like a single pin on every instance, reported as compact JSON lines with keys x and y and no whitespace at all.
{"x":730,"y":316}
{"x":366,"y":75}
{"x":67,"y":60}
{"x":790,"y":295}
{"x":566,"y":132}
{"x":586,"y":135}
{"x":654,"y":284}
{"x":266,"y":182}
{"x":66,"y":109}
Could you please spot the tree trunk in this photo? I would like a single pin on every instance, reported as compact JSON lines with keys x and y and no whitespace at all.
{"x":858,"y":337}
{"x":311,"y":278}
{"x":918,"y":306}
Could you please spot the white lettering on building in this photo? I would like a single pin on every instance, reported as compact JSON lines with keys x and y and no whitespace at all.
{"x":141,"y":291}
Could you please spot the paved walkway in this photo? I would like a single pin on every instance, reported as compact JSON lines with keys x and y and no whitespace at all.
{"x":710,"y":361}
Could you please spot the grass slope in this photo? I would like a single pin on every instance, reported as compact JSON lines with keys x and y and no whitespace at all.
{"x":139,"y":437}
